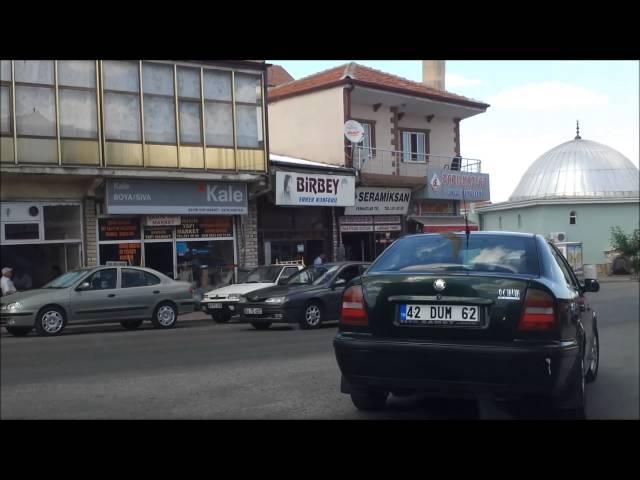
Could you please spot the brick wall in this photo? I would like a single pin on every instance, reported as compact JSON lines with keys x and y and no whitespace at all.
{"x":248,"y":237}
{"x":90,"y":244}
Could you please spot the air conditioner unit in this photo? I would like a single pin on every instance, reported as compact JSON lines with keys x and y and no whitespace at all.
{"x":558,"y":237}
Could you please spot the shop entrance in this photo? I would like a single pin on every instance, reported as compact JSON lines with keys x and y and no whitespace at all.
{"x":37,"y":264}
{"x":159,"y":256}
{"x":357,"y":246}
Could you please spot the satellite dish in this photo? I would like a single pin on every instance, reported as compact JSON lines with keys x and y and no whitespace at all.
{"x":354,"y":131}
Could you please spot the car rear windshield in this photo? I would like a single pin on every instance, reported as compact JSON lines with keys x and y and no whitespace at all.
{"x":450,"y":253}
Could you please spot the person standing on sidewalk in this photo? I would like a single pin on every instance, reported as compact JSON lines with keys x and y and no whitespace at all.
{"x":5,"y":283}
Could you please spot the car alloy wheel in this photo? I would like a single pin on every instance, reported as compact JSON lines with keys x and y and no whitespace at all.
{"x":51,"y":321}
{"x":312,"y":316}
{"x":165,"y":316}
{"x":592,"y":373}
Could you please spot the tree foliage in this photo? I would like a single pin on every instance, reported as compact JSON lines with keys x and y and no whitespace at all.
{"x":627,"y":244}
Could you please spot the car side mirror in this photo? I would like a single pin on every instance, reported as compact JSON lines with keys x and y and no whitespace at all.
{"x":591,"y":285}
{"x":83,"y":286}
{"x":339,"y":283}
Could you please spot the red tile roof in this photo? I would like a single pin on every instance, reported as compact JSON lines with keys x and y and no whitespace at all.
{"x":276,"y":75}
{"x":367,"y":77}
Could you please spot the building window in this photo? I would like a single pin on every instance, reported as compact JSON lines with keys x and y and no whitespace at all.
{"x":78,"y":107}
{"x":159,"y":104}
{"x":189,"y":106}
{"x":5,"y":98}
{"x":519,"y":221}
{"x":218,"y":111}
{"x":35,"y":98}
{"x":415,"y":145}
{"x":572,"y":217}
{"x":248,"y":97}
{"x":122,"y":101}
{"x":500,"y":222}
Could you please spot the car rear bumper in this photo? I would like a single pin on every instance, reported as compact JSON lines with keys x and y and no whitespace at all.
{"x":270,"y":313}
{"x":508,"y":369}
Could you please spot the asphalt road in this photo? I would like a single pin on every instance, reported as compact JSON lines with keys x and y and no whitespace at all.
{"x":202,"y":370}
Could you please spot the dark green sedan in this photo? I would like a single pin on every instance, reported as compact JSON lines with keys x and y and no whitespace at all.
{"x":128,"y":295}
{"x":454,"y":314}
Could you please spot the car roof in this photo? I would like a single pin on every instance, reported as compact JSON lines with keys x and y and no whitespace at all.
{"x":479,"y":234}
{"x":339,"y":264}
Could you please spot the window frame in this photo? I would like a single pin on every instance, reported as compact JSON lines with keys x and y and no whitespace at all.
{"x":93,"y":90}
{"x":103,"y":109}
{"x":163,"y":96}
{"x":51,"y":86}
{"x":427,"y":145}
{"x":372,"y":129}
{"x":573,"y":217}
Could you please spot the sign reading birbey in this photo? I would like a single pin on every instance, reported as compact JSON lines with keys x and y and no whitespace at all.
{"x":294,"y":188}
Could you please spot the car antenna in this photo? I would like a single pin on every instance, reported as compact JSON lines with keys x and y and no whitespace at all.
{"x":466,"y":218}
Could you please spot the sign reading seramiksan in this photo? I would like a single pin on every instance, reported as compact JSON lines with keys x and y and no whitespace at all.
{"x":173,"y":197}
{"x":380,"y":201}
{"x":311,"y":189}
{"x":454,"y":185}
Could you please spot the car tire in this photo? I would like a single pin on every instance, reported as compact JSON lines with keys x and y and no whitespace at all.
{"x":221,"y":317}
{"x":260,"y":325}
{"x":165,"y":316}
{"x":50,"y":321}
{"x":131,"y":324}
{"x":369,"y":400}
{"x":592,"y":373}
{"x":577,"y":412}
{"x":19,"y":331}
{"x":312,"y":316}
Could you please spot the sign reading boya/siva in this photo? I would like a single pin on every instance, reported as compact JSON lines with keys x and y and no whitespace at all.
{"x":450,"y":185}
{"x":380,"y":201}
{"x":174,"y":197}
{"x":294,"y":188}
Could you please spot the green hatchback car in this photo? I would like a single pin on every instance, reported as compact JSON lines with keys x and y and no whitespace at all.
{"x":128,"y":295}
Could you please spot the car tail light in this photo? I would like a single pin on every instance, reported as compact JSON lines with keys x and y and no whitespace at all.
{"x":191,"y":291}
{"x":539,"y":311}
{"x":353,"y":310}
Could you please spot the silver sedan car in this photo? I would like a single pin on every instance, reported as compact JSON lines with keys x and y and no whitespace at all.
{"x":128,"y":295}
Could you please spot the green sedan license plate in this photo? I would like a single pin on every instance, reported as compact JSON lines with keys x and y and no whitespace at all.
{"x":439,"y":314}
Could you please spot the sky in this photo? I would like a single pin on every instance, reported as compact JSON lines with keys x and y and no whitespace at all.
{"x":534,"y":107}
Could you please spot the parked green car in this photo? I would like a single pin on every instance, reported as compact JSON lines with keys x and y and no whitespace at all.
{"x":128,"y":295}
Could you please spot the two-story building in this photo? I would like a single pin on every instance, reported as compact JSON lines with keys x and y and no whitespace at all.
{"x":410,"y":173}
{"x":152,"y":163}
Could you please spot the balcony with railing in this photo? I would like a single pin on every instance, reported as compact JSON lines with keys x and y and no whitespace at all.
{"x":376,"y":164}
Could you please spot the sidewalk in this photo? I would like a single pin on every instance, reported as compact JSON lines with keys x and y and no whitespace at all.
{"x":617,"y":278}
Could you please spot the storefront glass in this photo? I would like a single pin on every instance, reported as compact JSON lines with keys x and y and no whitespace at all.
{"x":207,"y":264}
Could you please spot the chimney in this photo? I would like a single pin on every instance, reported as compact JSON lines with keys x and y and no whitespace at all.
{"x":433,"y":73}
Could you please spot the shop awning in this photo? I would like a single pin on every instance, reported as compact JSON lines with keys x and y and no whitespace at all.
{"x":442,"y":224}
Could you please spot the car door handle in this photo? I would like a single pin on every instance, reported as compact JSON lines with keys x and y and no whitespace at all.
{"x":111,"y":295}
{"x":156,"y":291}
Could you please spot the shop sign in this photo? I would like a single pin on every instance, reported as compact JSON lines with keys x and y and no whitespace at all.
{"x":433,"y":207}
{"x":162,"y":220}
{"x":174,"y":197}
{"x":311,"y":189}
{"x":357,"y":219}
{"x":119,"y":229}
{"x":379,"y":219}
{"x":205,"y":227}
{"x":356,"y":228}
{"x":380,"y":201}
{"x":158,"y":233}
{"x":387,"y":228}
{"x":453,"y":185}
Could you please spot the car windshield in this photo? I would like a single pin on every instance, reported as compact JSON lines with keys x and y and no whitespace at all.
{"x":264,"y":274}
{"x":314,"y":275}
{"x":66,"y":279}
{"x":450,"y":252}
